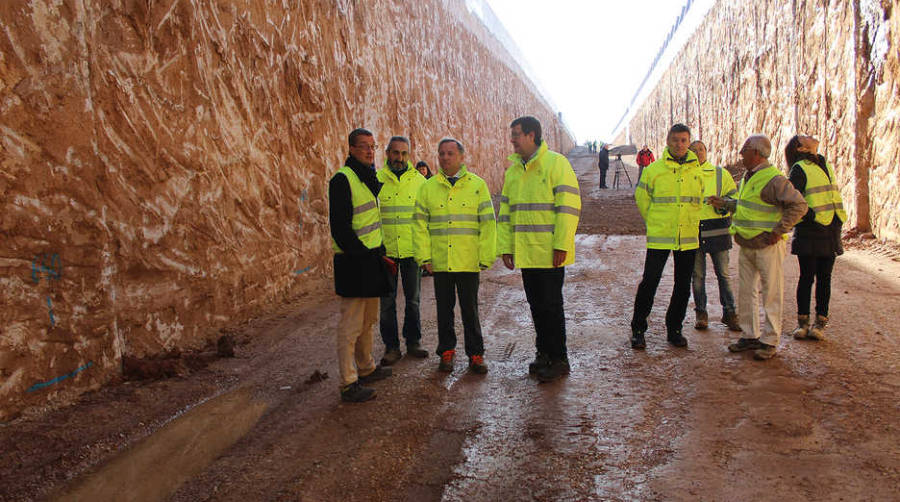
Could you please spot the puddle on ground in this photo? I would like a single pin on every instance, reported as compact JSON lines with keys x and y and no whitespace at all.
{"x":155,"y":467}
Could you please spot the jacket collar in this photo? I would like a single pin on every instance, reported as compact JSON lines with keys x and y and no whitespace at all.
{"x":707,"y":167}
{"x":462,"y":173}
{"x":690,"y":159}
{"x":410,"y":170}
{"x":517,"y":159}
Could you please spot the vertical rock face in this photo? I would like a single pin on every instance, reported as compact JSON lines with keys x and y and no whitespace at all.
{"x":828,"y":68}
{"x":164,"y":164}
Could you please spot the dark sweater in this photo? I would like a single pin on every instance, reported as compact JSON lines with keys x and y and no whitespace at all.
{"x":812,"y":238}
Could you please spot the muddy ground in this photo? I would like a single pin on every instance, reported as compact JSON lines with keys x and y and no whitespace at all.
{"x":818,"y":422}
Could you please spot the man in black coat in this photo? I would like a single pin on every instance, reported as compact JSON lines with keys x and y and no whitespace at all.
{"x":603,"y":164}
{"x":359,"y":265}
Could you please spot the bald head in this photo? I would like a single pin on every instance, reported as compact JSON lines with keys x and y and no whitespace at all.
{"x":760,"y":143}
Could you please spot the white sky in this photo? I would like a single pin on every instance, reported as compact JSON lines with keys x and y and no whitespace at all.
{"x":591,"y":55}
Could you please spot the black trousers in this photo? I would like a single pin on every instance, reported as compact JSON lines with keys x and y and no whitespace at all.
{"x":814,"y":269}
{"x":447,"y":286}
{"x":654,"y":264}
{"x":543,"y":289}
{"x":603,"y":178}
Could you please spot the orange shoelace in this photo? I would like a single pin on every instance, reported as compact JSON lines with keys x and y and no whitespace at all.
{"x":479,"y":360}
{"x":447,"y":356}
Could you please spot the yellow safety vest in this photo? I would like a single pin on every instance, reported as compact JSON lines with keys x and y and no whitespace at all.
{"x":366,"y":221}
{"x":753,"y":215}
{"x":454,"y":226}
{"x":539,"y":209}
{"x":669,"y":196}
{"x":821,"y":193}
{"x":716,"y":181}
{"x":397,"y":201}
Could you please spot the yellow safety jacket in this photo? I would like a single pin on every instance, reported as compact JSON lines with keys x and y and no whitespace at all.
{"x":821,"y":193}
{"x":454,"y":227}
{"x":753,"y":215}
{"x":669,"y":196}
{"x":716,"y":181}
{"x":366,"y":217}
{"x":397,"y":201}
{"x":539,"y":209}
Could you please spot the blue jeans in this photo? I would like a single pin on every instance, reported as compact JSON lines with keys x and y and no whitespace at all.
{"x":410,"y":275}
{"x":698,"y":282}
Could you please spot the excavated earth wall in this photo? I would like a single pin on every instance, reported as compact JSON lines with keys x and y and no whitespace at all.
{"x":828,"y":68}
{"x":164,"y":163}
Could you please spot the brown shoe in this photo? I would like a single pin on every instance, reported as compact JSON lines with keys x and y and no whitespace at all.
{"x":802,"y":328}
{"x":817,"y":332}
{"x":702,"y":321}
{"x":391,"y":356}
{"x":731,"y":320}
{"x":745,"y":344}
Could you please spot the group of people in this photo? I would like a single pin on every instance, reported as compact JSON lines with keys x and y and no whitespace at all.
{"x":391,"y":224}
{"x":692,"y":209}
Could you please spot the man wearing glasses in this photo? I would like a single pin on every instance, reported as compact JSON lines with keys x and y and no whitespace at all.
{"x":360,"y":278}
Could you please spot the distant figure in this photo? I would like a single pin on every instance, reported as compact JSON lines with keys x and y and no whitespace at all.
{"x":423,"y":169}
{"x":603,"y":164}
{"x":644,"y":158}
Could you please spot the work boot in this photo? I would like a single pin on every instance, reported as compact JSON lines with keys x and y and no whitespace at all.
{"x":676,"y":338}
{"x":702,"y":320}
{"x":476,"y":365}
{"x":764,"y":352}
{"x":731,"y":320}
{"x":637,"y":339}
{"x":745,"y":344}
{"x":817,"y":332}
{"x":802,"y":328}
{"x":356,"y":393}
{"x":379,"y":373}
{"x":416,"y":350}
{"x":391,"y":356}
{"x":446,"y":364}
{"x":540,"y":360}
{"x":555,"y":369}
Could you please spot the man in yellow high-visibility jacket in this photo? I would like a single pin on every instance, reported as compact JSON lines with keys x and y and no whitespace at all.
{"x":766,"y":209}
{"x":455,"y":239}
{"x":669,"y":196}
{"x":715,"y":241}
{"x":359,"y":275}
{"x":397,"y":201}
{"x":539,"y":210}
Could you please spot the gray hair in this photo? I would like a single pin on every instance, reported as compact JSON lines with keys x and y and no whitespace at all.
{"x":452,"y":140}
{"x":760,"y":143}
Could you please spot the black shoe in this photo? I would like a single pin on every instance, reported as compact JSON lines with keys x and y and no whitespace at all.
{"x":416,"y":350}
{"x":677,"y":339}
{"x":356,"y":393}
{"x":637,"y":340}
{"x":540,"y":360}
{"x":477,"y":366}
{"x":380,"y":373}
{"x":745,"y":344}
{"x":555,"y":369}
{"x":391,"y":356}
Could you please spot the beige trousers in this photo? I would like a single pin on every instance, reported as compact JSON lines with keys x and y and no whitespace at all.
{"x":765,"y":266}
{"x":354,"y":337}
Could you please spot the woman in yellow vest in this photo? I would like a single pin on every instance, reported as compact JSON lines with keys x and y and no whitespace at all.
{"x":817,"y":238}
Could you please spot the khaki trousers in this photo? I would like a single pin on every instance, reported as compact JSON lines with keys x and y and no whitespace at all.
{"x":354,"y":337}
{"x":765,"y":266}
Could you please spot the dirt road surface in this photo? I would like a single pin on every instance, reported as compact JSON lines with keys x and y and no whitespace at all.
{"x":818,"y":422}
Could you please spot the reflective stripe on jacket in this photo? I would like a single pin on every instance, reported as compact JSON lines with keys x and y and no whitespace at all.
{"x":821,"y":193}
{"x":539,"y":209}
{"x":714,"y":233}
{"x":753,"y":215}
{"x":366,"y":221}
{"x":669,"y":196}
{"x":454,"y":227}
{"x":397,"y":201}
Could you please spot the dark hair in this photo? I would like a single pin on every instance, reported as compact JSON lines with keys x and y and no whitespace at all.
{"x":424,"y":164}
{"x":397,"y":138}
{"x":357,"y":133}
{"x":698,"y":141}
{"x":452,"y":140}
{"x":677,"y":128}
{"x":792,"y":156}
{"x":529,"y":125}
